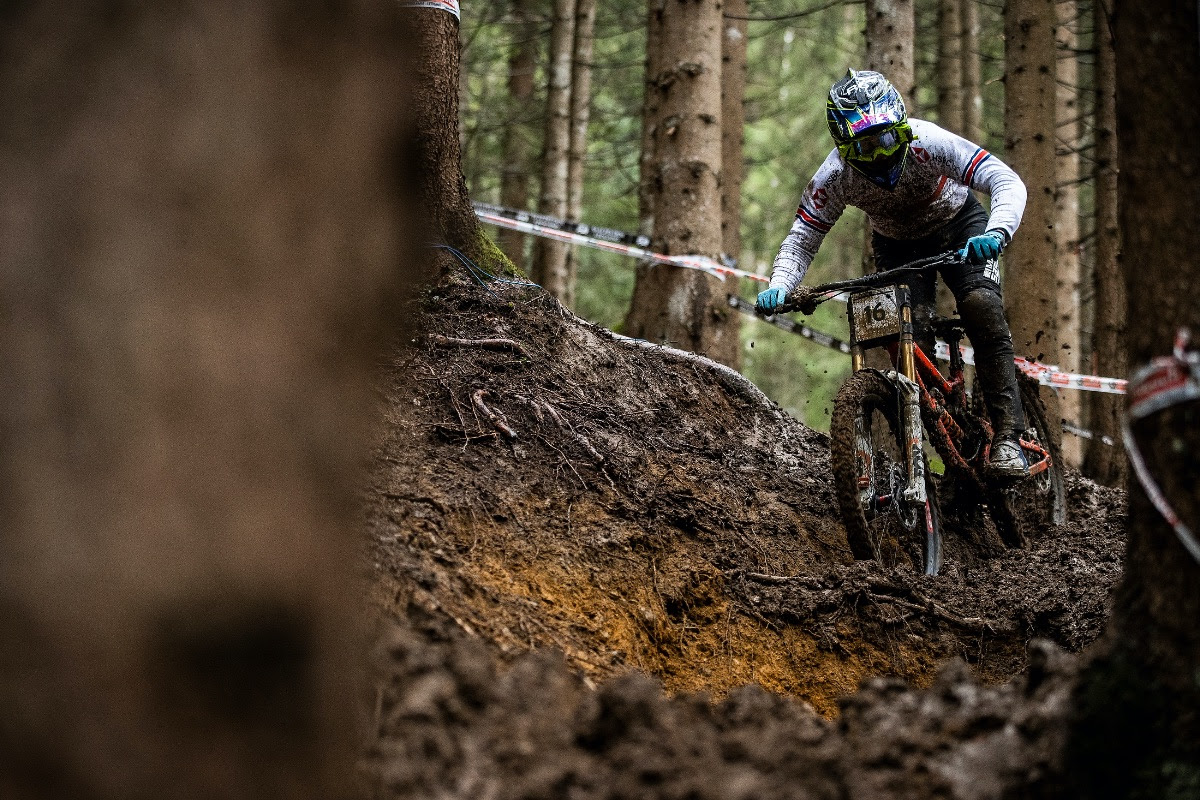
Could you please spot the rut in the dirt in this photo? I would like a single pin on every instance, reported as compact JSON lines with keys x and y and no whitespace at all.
{"x":544,"y":484}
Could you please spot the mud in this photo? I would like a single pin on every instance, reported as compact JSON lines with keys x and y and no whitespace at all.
{"x":605,"y":571}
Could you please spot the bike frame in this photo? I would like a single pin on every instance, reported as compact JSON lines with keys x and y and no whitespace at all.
{"x":911,"y":362}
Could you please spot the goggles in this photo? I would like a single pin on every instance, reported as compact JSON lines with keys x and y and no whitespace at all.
{"x":876,"y":145}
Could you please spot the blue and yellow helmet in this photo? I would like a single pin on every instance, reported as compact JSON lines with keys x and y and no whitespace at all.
{"x":869,"y":124}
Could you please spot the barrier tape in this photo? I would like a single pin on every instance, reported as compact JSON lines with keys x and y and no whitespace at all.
{"x":443,"y":5}
{"x":1165,"y":382}
{"x":813,"y":335}
{"x":634,"y":245}
{"x":613,"y":241}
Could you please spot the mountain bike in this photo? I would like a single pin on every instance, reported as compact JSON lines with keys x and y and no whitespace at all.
{"x":882,"y":420}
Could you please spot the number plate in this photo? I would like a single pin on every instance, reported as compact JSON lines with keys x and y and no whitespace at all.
{"x":874,"y":314}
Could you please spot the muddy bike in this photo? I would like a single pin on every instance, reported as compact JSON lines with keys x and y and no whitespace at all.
{"x":882,"y":420}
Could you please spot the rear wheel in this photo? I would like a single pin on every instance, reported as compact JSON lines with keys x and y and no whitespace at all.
{"x":1036,"y":504}
{"x":868,"y":460}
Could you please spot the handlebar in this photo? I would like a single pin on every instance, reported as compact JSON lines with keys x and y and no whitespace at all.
{"x":805,"y":299}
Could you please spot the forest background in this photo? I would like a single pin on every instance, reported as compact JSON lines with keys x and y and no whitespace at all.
{"x":795,"y":50}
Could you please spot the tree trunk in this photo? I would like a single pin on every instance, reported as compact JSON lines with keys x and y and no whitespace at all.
{"x":950,"y":66}
{"x":733,"y":121}
{"x":581,"y":103}
{"x":550,"y":256}
{"x":889,"y":47}
{"x":517,"y":152}
{"x":1102,"y":462}
{"x":890,"y":28}
{"x":199,"y":245}
{"x":443,"y":189}
{"x":685,"y":307}
{"x":1029,"y":101}
{"x":1137,"y":732}
{"x":972,"y":82}
{"x":651,"y":103}
{"x":1066,"y":214}
{"x":949,"y":99}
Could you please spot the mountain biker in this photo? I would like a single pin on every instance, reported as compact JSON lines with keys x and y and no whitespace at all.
{"x":913,"y":180}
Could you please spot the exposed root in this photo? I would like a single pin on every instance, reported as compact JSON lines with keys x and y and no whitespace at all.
{"x":733,"y":380}
{"x":568,"y":429}
{"x":497,"y":420}
{"x":975,"y":624}
{"x":486,"y":344}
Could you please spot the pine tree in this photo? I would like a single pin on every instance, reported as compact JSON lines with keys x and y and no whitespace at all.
{"x":1066,"y":213}
{"x":1029,"y":102}
{"x":1103,"y":462}
{"x":682,"y":307}
{"x":516,"y":145}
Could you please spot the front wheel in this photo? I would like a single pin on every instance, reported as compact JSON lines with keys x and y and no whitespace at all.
{"x":869,"y":464}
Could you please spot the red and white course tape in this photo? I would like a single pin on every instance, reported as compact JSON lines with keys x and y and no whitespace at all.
{"x":615,"y":241}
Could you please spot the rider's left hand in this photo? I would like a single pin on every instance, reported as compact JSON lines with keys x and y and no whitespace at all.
{"x":770,"y":299}
{"x":983,"y":248}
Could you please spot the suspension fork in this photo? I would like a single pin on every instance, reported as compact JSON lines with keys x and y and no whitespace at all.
{"x":910,"y":400}
{"x":914,"y":435}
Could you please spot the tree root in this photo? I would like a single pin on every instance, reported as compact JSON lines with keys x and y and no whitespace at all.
{"x":497,"y":420}
{"x":973,"y":624}
{"x":567,"y":428}
{"x":733,"y":380}
{"x":485,"y":344}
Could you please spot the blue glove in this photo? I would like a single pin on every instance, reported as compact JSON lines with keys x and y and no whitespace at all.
{"x":983,"y":248}
{"x":770,"y":299}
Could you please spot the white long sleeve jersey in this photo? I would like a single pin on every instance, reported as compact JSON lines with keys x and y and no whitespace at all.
{"x":941,"y":169}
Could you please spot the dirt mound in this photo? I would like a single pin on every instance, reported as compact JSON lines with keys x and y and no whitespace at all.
{"x":556,"y":487}
{"x":448,"y":724}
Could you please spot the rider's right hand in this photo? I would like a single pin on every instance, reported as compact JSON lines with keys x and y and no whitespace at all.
{"x":770,"y":299}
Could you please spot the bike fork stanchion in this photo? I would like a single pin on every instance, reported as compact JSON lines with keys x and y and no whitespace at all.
{"x":910,"y":394}
{"x":910,"y":422}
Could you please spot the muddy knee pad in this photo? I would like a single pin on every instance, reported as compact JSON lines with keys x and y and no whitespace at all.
{"x":982,"y":312}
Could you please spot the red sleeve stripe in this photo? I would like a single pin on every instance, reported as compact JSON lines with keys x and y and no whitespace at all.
{"x":980,"y":156}
{"x":807,"y":218}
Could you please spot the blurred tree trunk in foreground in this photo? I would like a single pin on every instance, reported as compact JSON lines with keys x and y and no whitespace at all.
{"x":1102,"y":462}
{"x":683,"y":307}
{"x":199,"y":262}
{"x":1138,"y":706}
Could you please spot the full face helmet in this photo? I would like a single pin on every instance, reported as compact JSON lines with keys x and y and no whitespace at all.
{"x":869,"y":124}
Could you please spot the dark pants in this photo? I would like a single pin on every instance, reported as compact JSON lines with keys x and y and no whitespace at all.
{"x":976,"y":289}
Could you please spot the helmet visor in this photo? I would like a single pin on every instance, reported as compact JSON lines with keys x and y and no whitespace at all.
{"x":874,"y":146}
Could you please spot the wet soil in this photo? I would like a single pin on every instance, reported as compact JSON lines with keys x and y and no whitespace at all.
{"x":604,"y":570}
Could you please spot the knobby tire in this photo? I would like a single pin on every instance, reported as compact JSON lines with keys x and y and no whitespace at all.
{"x":878,"y":535}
